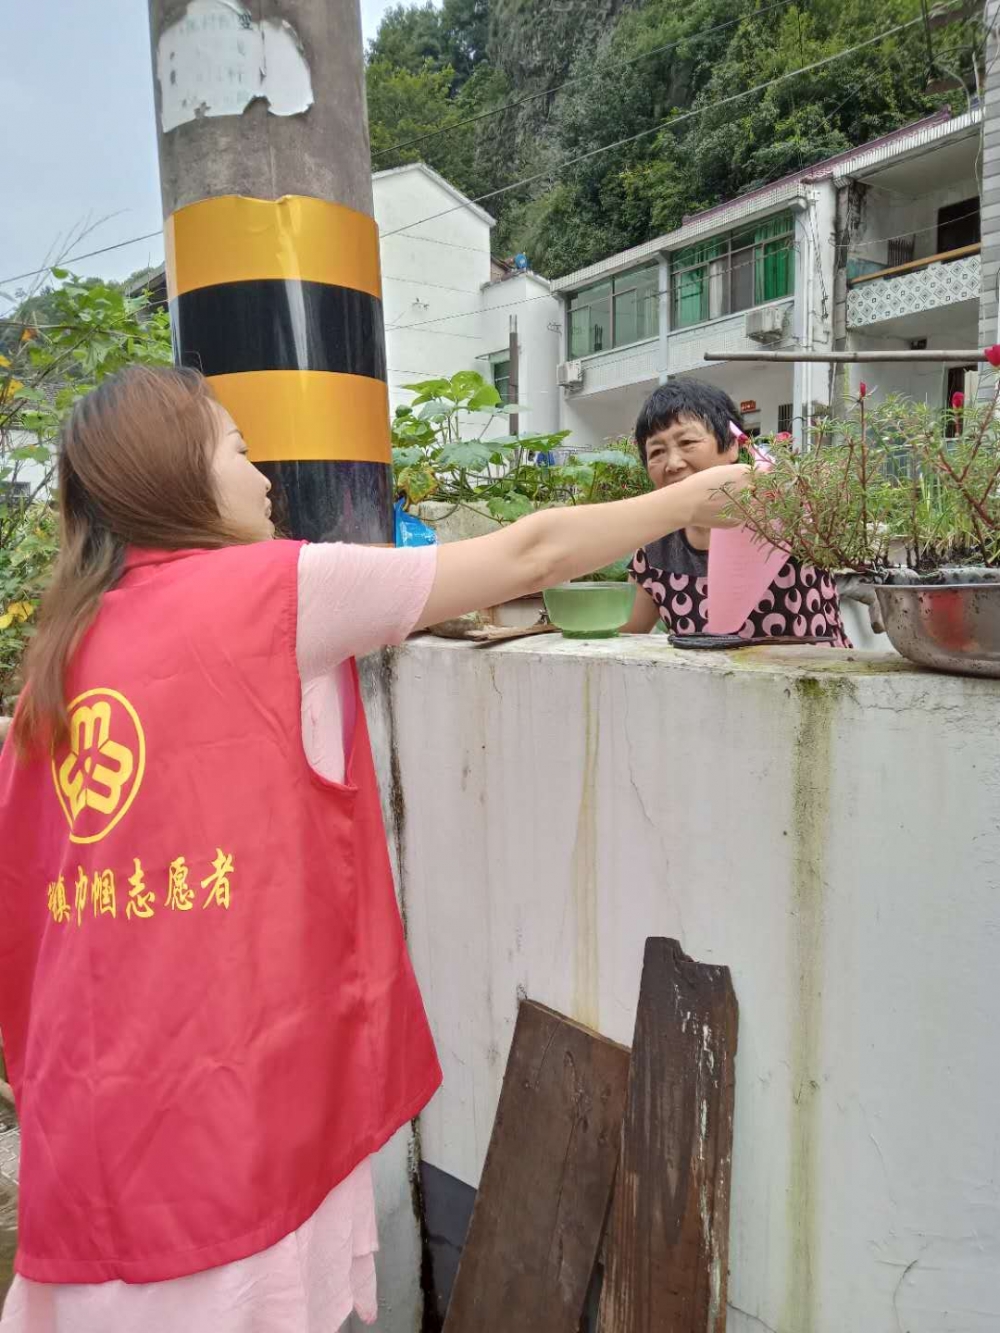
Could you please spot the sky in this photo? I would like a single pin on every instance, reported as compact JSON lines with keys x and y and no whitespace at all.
{"x":76,"y":96}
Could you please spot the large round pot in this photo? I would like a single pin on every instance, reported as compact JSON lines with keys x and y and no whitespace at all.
{"x":950,"y":624}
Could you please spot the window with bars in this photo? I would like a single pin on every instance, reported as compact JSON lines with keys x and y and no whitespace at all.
{"x":785,"y":411}
{"x":615,"y":313}
{"x":501,"y":377}
{"x":735,"y":272}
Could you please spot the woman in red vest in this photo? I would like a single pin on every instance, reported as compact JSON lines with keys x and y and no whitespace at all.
{"x":208,"y":1014}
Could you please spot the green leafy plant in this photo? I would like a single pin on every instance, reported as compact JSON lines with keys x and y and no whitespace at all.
{"x":58,"y":344}
{"x":442,"y":451}
{"x":897,"y":484}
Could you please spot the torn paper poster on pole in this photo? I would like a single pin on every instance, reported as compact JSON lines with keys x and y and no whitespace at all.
{"x":216,"y":60}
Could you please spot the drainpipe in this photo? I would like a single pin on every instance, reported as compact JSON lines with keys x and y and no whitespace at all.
{"x":563,"y":354}
{"x":811,"y":260}
{"x":989,"y":332}
{"x":841,"y":246}
{"x":514,"y":376}
{"x":800,"y":383}
{"x":663,"y":324}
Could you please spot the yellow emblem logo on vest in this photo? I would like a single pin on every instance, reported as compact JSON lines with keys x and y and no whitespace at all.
{"x":98,"y":770}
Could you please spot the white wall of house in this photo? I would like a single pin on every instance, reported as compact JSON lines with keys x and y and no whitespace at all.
{"x":826,"y":828}
{"x":769,"y":386}
{"x":902,"y":197}
{"x":886,"y":214}
{"x":435,"y":269}
{"x":596,"y":420}
{"x":28,"y":475}
{"x":539,"y":334}
{"x":624,"y":375}
{"x":442,"y":312}
{"x":922,"y":382}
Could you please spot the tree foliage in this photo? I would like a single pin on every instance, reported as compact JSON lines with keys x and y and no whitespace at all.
{"x":589,"y":73}
{"x":59,"y":343}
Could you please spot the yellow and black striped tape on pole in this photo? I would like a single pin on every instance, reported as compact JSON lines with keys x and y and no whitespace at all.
{"x":279,"y":303}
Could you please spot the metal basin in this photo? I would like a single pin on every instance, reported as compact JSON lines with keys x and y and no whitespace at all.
{"x":949,"y":626}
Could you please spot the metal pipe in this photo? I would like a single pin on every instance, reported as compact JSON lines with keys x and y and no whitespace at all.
{"x":945,"y":354}
{"x":514,"y":376}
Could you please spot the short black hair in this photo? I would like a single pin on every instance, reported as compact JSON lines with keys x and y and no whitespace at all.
{"x":687,"y":398}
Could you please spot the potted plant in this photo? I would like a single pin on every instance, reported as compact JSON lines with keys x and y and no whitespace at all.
{"x":907,"y":498}
{"x":462,"y":479}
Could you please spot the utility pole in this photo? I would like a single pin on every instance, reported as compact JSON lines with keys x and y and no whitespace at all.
{"x":272,"y":249}
{"x":514,"y":375}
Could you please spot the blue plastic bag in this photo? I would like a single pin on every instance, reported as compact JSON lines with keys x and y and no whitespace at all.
{"x":410,"y":530}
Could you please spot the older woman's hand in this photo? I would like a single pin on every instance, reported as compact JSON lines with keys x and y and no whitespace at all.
{"x":710,"y":494}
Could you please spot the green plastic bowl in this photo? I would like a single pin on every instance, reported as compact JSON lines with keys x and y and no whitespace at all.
{"x":590,"y":610}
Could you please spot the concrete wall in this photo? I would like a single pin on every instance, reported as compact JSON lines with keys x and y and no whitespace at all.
{"x":949,"y":327}
{"x":400,"y":1297}
{"x":596,"y":420}
{"x":428,"y":271}
{"x":825,"y":826}
{"x":442,"y":313}
{"x":539,"y":333}
{"x":887,"y":214}
{"x":768,"y":386}
{"x":31,"y":475}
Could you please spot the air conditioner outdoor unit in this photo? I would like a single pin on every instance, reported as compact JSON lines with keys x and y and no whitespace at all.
{"x":570,"y":374}
{"x":766,"y":325}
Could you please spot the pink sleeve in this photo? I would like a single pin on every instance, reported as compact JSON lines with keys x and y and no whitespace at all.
{"x":354,"y":599}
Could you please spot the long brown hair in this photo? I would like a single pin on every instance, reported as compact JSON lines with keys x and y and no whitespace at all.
{"x":135,"y":469}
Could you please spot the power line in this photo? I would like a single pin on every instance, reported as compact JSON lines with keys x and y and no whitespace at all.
{"x":465,"y":314}
{"x":134,"y":240}
{"x":654,"y":296}
{"x":579,"y":78}
{"x":541,"y":296}
{"x":47,"y":268}
{"x":669,"y":123}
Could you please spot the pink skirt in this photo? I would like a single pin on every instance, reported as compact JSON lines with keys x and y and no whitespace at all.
{"x":310,"y":1282}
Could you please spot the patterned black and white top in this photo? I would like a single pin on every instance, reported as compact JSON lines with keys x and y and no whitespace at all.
{"x":802,"y":601}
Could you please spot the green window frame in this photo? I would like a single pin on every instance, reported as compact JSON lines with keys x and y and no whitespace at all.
{"x":500,"y":369}
{"x":727,"y":274}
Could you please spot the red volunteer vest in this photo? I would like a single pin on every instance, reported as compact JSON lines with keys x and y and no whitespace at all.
{"x":208,"y":1013}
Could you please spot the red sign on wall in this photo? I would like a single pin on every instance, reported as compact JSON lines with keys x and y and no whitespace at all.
{"x":748,"y":405}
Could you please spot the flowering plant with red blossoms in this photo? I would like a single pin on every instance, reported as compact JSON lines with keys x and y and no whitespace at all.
{"x":894,"y":483}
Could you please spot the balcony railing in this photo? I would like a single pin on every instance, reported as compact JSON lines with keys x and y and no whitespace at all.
{"x":909,"y":289}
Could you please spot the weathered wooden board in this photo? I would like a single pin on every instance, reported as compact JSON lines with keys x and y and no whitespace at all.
{"x":668,"y":1256}
{"x":546,"y":1187}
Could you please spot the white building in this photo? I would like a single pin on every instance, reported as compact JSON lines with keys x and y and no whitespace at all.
{"x":448,"y":306}
{"x":877,"y":247}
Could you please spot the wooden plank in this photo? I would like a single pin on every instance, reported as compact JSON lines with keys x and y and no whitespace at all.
{"x":669,"y":1250}
{"x":914,"y":264}
{"x":547,"y":1183}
